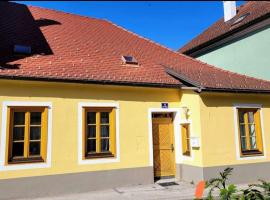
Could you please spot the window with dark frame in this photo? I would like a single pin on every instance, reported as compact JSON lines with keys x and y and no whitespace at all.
{"x":27,"y":134}
{"x":240,"y":19}
{"x":130,"y":60}
{"x":185,"y":139}
{"x":99,"y":132}
{"x":250,"y":133}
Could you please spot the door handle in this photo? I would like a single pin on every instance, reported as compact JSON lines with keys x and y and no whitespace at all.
{"x":172,"y":147}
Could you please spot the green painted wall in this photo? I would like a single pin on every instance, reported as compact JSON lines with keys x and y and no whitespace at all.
{"x":249,"y":55}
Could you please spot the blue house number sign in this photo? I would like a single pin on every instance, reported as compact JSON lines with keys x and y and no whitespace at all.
{"x":164,"y":105}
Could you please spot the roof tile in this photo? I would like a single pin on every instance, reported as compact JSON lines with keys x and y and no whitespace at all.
{"x":75,"y":48}
{"x":257,"y":9}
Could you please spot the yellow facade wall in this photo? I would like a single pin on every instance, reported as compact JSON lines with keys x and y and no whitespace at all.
{"x":218,"y":130}
{"x":211,"y":115}
{"x":134,"y":103}
{"x":191,"y":100}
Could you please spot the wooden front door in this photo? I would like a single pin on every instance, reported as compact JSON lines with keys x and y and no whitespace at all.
{"x":163,"y":144}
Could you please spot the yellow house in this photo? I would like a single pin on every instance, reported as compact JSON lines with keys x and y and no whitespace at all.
{"x":87,"y":105}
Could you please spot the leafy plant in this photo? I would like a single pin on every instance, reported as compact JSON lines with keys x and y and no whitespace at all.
{"x":252,"y":194}
{"x":228,"y":193}
{"x":225,"y":193}
{"x":259,"y":191}
{"x":265,"y":186}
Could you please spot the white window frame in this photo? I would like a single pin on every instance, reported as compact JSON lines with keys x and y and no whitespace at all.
{"x":191,"y":134}
{"x":7,"y":167}
{"x":236,"y":133}
{"x":82,"y":161}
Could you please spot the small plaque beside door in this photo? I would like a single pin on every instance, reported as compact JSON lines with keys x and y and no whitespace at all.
{"x":164,"y":105}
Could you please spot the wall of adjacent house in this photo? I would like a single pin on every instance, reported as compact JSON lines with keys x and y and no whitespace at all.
{"x":248,"y":55}
{"x":219,"y":131}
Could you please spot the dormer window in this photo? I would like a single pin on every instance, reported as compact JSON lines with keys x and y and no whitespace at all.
{"x":240,"y":19}
{"x":22,"y":49}
{"x":129,"y":60}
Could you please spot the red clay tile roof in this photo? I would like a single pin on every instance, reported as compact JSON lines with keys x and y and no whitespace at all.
{"x":69,"y":47}
{"x":257,"y":10}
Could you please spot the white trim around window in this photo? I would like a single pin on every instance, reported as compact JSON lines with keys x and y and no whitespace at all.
{"x":191,"y":134}
{"x":82,"y":161}
{"x":236,"y":133}
{"x":47,"y":164}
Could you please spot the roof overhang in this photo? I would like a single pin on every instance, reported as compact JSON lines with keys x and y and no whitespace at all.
{"x":89,"y":81}
{"x":246,"y":91}
{"x":255,"y":25}
{"x":195,"y":86}
{"x":188,"y":83}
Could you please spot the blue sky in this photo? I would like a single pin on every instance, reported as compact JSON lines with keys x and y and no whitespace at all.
{"x":171,"y":24}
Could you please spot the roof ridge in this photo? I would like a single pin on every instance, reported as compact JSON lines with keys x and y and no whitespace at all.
{"x":201,"y":33}
{"x":61,"y":11}
{"x":101,"y":19}
{"x":142,"y":37}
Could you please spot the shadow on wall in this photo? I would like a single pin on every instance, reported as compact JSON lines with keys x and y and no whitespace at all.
{"x":228,"y":100}
{"x":87,"y":91}
{"x":18,"y":27}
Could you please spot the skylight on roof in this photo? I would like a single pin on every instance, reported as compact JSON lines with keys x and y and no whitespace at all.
{"x":129,"y":60}
{"x":239,"y":19}
{"x":21,"y":49}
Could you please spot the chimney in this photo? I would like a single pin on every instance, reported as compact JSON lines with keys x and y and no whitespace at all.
{"x":229,"y":10}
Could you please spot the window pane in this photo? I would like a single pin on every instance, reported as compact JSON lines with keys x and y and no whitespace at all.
{"x":91,"y":131}
{"x":91,"y":117}
{"x":187,"y":131}
{"x":242,"y":130}
{"x":252,"y":130}
{"x":91,"y":146}
{"x":35,"y":118}
{"x":253,"y":143}
{"x":243,"y":143}
{"x":105,"y":131}
{"x":17,"y":149}
{"x":241,"y":117}
{"x":35,"y":133}
{"x":18,"y":133}
{"x":252,"y":133}
{"x":19,"y":118}
{"x":250,"y":117}
{"x":188,"y":145}
{"x":104,"y":117}
{"x":34,"y":148}
{"x":185,"y":140}
{"x":104,"y":145}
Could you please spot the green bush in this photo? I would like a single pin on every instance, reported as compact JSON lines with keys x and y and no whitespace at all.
{"x":260,"y":191}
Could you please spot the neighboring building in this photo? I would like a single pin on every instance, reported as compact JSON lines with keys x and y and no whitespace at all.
{"x":87,"y":105}
{"x":241,"y":44}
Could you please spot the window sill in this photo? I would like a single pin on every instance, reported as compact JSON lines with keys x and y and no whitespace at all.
{"x":252,"y":153}
{"x":187,"y":154}
{"x":99,"y":155}
{"x":25,"y":160}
